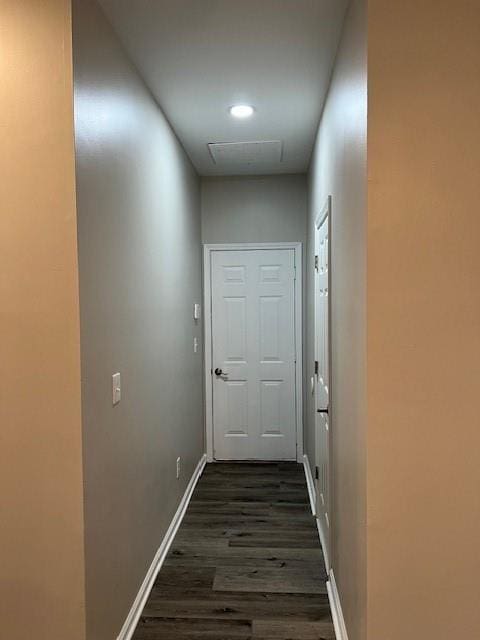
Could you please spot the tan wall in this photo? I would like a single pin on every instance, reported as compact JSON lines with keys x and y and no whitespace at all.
{"x":138,"y":200}
{"x":339,"y":169}
{"x":41,"y":521}
{"x":424,"y":320}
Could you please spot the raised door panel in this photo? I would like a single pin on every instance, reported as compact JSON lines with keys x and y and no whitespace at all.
{"x":270,"y":320}
{"x":236,"y":409}
{"x":271,"y":423}
{"x":234,"y":338}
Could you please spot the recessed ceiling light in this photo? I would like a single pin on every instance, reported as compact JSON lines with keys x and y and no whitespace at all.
{"x":241,"y":111}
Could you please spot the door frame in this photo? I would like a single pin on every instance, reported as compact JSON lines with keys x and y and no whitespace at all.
{"x":208,"y":249}
{"x":326,"y":212}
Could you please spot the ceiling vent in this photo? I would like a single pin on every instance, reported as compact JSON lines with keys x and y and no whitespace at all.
{"x":245,"y":152}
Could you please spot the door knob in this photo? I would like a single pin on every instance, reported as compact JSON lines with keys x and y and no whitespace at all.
{"x":218,"y":372}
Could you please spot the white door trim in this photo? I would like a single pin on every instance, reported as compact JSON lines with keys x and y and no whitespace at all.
{"x":207,"y":305}
{"x":326,"y":211}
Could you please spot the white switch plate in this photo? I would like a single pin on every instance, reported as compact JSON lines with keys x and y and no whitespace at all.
{"x":196,"y":311}
{"x":195,"y":345}
{"x":178,"y":468}
{"x":116,"y":388}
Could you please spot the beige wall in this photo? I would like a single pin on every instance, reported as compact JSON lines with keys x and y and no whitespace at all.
{"x":339,"y":169}
{"x":41,"y":521}
{"x":254,"y":209}
{"x":423,"y":320}
{"x":140,"y":268}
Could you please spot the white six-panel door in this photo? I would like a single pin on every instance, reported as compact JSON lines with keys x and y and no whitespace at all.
{"x":253,"y":354}
{"x":322,"y":381}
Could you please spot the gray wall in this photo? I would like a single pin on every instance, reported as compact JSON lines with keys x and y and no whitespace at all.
{"x":339,"y":169}
{"x":139,"y":258}
{"x":254,"y":209}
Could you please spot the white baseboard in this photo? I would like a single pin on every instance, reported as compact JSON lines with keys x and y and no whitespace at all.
{"x":323,"y":542}
{"x":137,"y":607}
{"x":310,"y":483}
{"x":313,"y":501}
{"x":336,"y":608}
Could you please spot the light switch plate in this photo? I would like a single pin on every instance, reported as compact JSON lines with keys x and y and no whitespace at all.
{"x":195,"y":345}
{"x":196,"y":311}
{"x":116,"y":388}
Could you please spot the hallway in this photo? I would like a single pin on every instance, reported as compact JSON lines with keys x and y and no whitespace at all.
{"x":236,"y":399}
{"x":246,"y":562}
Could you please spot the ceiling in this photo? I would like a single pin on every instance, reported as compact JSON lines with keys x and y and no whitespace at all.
{"x":199,"y":57}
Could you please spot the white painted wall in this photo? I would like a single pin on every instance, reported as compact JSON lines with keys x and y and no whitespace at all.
{"x":254,"y":209}
{"x":138,"y":201}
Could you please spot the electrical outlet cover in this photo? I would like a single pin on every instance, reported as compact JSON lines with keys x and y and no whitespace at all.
{"x":116,"y":388}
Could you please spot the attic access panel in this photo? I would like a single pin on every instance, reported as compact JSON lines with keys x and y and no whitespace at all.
{"x":228,"y":153}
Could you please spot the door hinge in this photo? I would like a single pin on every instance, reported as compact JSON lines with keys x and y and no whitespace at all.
{"x":317,"y":473}
{"x":316,"y":367}
{"x":316,"y":263}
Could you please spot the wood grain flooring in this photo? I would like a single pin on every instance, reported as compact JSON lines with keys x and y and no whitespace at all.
{"x":246,"y":562}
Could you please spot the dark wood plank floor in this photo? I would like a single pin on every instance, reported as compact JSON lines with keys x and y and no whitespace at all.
{"x":246,"y":562}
